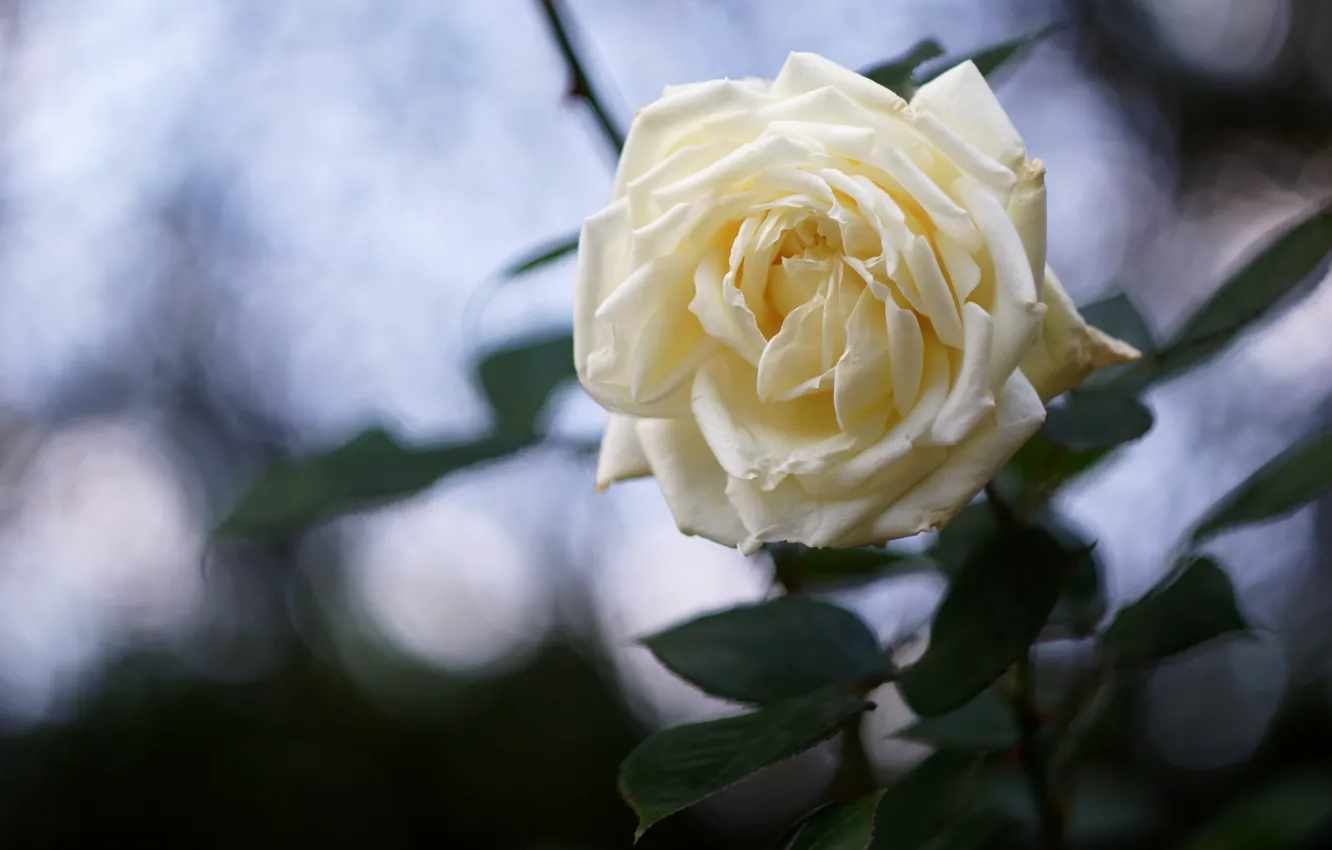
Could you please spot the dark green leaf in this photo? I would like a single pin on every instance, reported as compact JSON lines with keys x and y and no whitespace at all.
{"x":1096,"y":418}
{"x":919,"y":805}
{"x":1246,"y":297}
{"x":1282,"y":486}
{"x":1117,"y":316}
{"x":1042,"y":465}
{"x":542,"y":256}
{"x":1195,"y":604}
{"x":971,"y":527}
{"x":831,"y":564}
{"x":972,"y":831}
{"x":372,"y":468}
{"x":895,"y":74}
{"x":1082,"y":603}
{"x":678,"y":767}
{"x":519,"y":380}
{"x":995,"y":608}
{"x":1285,"y":813}
{"x":985,"y":724}
{"x":990,"y":60}
{"x":840,"y":826}
{"x":771,"y":651}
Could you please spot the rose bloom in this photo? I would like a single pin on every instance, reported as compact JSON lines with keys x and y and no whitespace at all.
{"x":820,"y":314}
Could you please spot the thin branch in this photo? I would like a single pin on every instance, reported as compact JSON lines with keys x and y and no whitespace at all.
{"x":579,"y":84}
{"x":1034,"y":761}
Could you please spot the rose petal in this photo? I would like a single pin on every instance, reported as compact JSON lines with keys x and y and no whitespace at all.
{"x":906,"y":359}
{"x":691,"y":480}
{"x":621,"y":456}
{"x":1069,"y":349}
{"x":1026,"y":209}
{"x":970,"y":399}
{"x":1018,"y":414}
{"x":961,"y":99}
{"x":861,"y":385}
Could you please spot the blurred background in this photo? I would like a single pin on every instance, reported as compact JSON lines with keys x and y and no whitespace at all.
{"x":237,"y":231}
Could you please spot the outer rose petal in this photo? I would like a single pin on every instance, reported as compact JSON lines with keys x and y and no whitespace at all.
{"x":691,"y":480}
{"x":962,"y":99}
{"x":791,"y":513}
{"x":622,"y":455}
{"x":1069,"y":349}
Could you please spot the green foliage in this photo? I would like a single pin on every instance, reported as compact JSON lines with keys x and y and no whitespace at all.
{"x":895,"y":74}
{"x":771,"y":651}
{"x":996,"y":606}
{"x":1097,"y":418}
{"x":519,"y":379}
{"x":833,"y":564}
{"x":985,"y":724}
{"x":1248,"y":296}
{"x":840,"y":826}
{"x":1283,"y":485}
{"x":1117,"y":316}
{"x":989,"y":60}
{"x":1285,"y":813}
{"x":1193,"y":605}
{"x":919,"y":805}
{"x":972,"y":831}
{"x":372,"y":468}
{"x":541,"y":256}
{"x":679,"y":767}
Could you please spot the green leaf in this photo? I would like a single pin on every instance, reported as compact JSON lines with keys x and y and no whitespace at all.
{"x":1282,"y":486}
{"x":972,"y":831}
{"x":372,"y":468}
{"x":771,"y":651}
{"x":995,"y":608}
{"x":985,"y":724}
{"x":990,"y":60}
{"x":1194,"y":604}
{"x":840,"y":826}
{"x":919,"y":805}
{"x":519,"y":380}
{"x":1286,"y":813}
{"x":1246,"y":297}
{"x":1097,"y":418}
{"x":1117,"y":316}
{"x":1045,"y":466}
{"x":678,"y":767}
{"x":895,"y":74}
{"x":541,"y":256}
{"x":812,"y":564}
{"x":971,"y":527}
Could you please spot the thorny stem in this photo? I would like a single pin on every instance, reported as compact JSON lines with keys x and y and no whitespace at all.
{"x":579,"y":84}
{"x":1034,"y":761}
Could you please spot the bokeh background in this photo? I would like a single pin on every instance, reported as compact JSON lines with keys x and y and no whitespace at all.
{"x":237,"y":231}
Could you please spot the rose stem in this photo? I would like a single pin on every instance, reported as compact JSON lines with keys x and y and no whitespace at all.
{"x":579,"y":84}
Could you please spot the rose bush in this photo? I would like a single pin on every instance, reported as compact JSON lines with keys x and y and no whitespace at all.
{"x":821,"y":314}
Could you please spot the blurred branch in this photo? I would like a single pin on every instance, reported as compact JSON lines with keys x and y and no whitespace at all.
{"x":579,"y":84}
{"x":1034,"y":761}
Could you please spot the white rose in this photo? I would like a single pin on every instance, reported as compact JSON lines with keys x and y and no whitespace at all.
{"x":815,"y":311}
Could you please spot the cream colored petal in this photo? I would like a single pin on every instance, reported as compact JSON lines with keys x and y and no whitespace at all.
{"x":603,"y":247}
{"x":906,"y":359}
{"x":935,"y":294}
{"x":861,"y":385}
{"x":721,"y":310}
{"x":946,"y":214}
{"x":1017,"y":415}
{"x":807,"y":72}
{"x":963,"y":273}
{"x":1026,"y":209}
{"x":997,"y":178}
{"x":764,"y":442}
{"x":621,"y":456}
{"x":1015,"y":309}
{"x":1069,"y":349}
{"x":659,"y":128}
{"x":791,"y":364}
{"x":962,"y":99}
{"x":691,"y":480}
{"x":970,"y":399}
